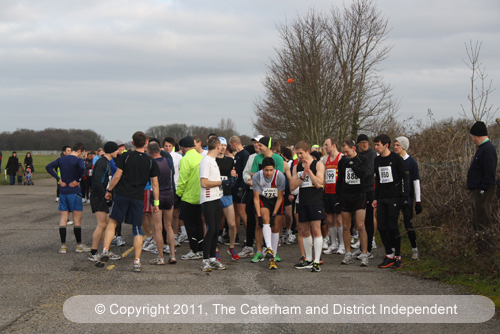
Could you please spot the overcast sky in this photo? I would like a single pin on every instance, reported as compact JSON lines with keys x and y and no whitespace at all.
{"x":125,"y":65}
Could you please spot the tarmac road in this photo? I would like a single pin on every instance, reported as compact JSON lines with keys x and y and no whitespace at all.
{"x":36,"y":280}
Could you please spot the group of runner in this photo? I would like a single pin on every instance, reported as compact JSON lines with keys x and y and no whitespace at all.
{"x":337,"y":199}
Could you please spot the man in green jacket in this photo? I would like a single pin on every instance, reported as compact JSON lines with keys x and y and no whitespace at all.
{"x":188,"y":190}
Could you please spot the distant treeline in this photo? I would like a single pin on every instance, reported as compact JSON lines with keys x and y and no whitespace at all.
{"x":49,"y":139}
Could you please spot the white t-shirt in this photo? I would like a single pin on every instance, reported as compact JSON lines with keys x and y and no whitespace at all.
{"x":177,"y":164}
{"x":210,"y":171}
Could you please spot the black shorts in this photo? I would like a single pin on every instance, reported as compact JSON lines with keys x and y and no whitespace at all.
{"x":166,"y":200}
{"x":331,"y":203}
{"x":98,"y":204}
{"x":352,"y":202}
{"x":270,"y":204}
{"x":308,"y":213}
{"x":127,"y":209}
{"x":240,"y":195}
{"x":287,"y":193}
{"x":177,"y":201}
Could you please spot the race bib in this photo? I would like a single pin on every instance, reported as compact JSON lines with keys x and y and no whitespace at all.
{"x":331,"y":176}
{"x":350,"y":177}
{"x":307,"y":181}
{"x":90,"y":172}
{"x":385,"y":174}
{"x":270,"y":192}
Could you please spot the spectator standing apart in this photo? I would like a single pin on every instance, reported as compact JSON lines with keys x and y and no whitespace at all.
{"x":401,"y":145}
{"x":480,"y":179}
{"x":28,"y":162}
{"x":12,"y":165}
{"x":71,"y":168}
{"x":134,"y":170}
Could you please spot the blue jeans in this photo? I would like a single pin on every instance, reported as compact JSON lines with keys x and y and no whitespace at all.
{"x":12,"y":179}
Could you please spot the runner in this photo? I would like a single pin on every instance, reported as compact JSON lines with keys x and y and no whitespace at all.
{"x":401,"y":145}
{"x":240,"y":190}
{"x":309,"y":175}
{"x":210,"y":195}
{"x":330,"y":200}
{"x":391,"y":196}
{"x":268,"y":189}
{"x":351,"y":188}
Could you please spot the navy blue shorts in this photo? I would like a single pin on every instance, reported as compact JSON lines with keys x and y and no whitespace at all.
{"x":70,"y":202}
{"x":309,"y":213}
{"x":127,"y":209}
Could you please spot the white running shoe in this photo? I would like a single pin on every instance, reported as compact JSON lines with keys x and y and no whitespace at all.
{"x":368,"y":255}
{"x":82,"y":249}
{"x":147,"y":242}
{"x":57,"y":199}
{"x":341,"y":251}
{"x":357,"y":253}
{"x":325,"y":243}
{"x":292,"y":239}
{"x":191,"y":256}
{"x":183,"y":238}
{"x":374,"y":244}
{"x":119,"y":241}
{"x":83,"y":200}
{"x":88,"y":201}
{"x":331,"y":250}
{"x":114,"y":257}
{"x":246,"y":252}
{"x":414,"y":254}
{"x":70,"y":222}
{"x":356,"y":244}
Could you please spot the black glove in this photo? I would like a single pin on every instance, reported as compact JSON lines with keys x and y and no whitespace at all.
{"x":418,"y":208}
{"x":261,"y":222}
{"x":271,"y":219}
{"x":228,"y":183}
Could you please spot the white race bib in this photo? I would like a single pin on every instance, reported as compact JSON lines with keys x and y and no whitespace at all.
{"x":270,"y":192}
{"x":331,"y":176}
{"x":90,"y":172}
{"x":350,"y":177}
{"x":307,"y":181}
{"x":385,"y":174}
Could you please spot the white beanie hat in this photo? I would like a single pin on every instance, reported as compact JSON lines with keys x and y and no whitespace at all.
{"x":404,"y":142}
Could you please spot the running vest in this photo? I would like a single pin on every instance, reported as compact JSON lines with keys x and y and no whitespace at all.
{"x":309,"y":194}
{"x":268,"y":189}
{"x":331,"y":174}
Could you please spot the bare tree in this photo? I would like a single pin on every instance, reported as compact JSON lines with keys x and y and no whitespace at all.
{"x":337,"y":88}
{"x":478,"y":97}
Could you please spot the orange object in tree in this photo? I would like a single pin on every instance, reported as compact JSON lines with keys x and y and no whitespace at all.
{"x":290,"y":80}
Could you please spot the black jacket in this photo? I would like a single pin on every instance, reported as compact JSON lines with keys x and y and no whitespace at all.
{"x":481,"y":174}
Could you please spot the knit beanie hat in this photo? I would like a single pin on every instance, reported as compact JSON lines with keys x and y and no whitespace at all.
{"x":479,"y":129}
{"x":404,"y":142}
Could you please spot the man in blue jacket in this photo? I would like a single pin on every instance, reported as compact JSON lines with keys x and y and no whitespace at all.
{"x":480,"y":179}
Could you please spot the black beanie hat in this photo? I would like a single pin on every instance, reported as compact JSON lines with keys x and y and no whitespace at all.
{"x":362,"y":137}
{"x":479,"y":129}
{"x":110,"y":147}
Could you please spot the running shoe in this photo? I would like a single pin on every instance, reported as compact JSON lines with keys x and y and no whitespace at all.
{"x":233,"y":254}
{"x":137,"y":267}
{"x":217,"y":257}
{"x":57,"y":199}
{"x":82,"y":249}
{"x":272,"y":265}
{"x":217,"y":265}
{"x":93,"y":258}
{"x":206,"y":267}
{"x":364,"y":260}
{"x":315,"y":267}
{"x":320,"y":260}
{"x":220,"y":239}
{"x":166,"y":249}
{"x":172,"y":260}
{"x":356,"y":244}
{"x":397,"y":264}
{"x":357,"y":253}
{"x":269,"y":253}
{"x":414,"y":254}
{"x":258,"y":257}
{"x":191,"y":256}
{"x":149,"y":247}
{"x":284,"y":236}
{"x":302,"y":259}
{"x":114,"y":240}
{"x":304,"y":265}
{"x":341,"y":251}
{"x":182,"y":238}
{"x":147,"y":242}
{"x":331,"y":250}
{"x":245,"y":252}
{"x":119,"y":241}
{"x":70,"y":222}
{"x":368,"y":255}
{"x":157,"y":261}
{"x":374,"y":244}
{"x":177,"y":243}
{"x":277,"y":258}
{"x":62,"y":250}
{"x":114,"y":257}
{"x":355,"y":235}
{"x":292,"y":239}
{"x":325,"y":242}
{"x":88,"y":201}
{"x":83,"y":200}
{"x":388,"y":262}
{"x":105,"y":255}
{"x":347,"y":259}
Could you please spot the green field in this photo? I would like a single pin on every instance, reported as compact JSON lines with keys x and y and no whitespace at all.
{"x":39,"y":161}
